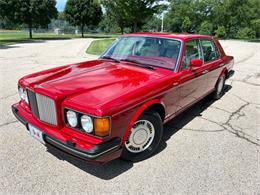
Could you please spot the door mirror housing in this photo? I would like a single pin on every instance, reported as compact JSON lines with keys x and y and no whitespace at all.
{"x":196,"y":63}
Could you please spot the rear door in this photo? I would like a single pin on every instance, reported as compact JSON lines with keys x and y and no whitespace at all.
{"x":193,"y":81}
{"x":212,"y":62}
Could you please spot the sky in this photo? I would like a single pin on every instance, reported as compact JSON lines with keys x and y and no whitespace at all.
{"x":60,"y":5}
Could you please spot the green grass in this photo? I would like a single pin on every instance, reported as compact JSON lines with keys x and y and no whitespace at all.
{"x":97,"y":47}
{"x":12,"y":37}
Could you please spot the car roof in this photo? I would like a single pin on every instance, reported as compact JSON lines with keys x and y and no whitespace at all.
{"x":182,"y":36}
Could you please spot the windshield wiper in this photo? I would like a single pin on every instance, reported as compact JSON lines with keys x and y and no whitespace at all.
{"x":140,"y":64}
{"x":110,"y":58}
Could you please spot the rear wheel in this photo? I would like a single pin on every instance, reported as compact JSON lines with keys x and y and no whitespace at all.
{"x":219,"y":88}
{"x":144,"y":138}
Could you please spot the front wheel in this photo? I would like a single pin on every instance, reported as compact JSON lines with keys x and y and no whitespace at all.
{"x":219,"y":88}
{"x":144,"y":138}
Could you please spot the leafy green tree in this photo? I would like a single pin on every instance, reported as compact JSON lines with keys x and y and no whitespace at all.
{"x":255,"y":24}
{"x":83,"y":13}
{"x":186,"y":24}
{"x":246,"y":33}
{"x":225,"y":18}
{"x":153,"y":24}
{"x":205,"y":28}
{"x":116,"y":12}
{"x":221,"y":32}
{"x":131,"y":13}
{"x":179,"y":10}
{"x":33,"y":13}
{"x":108,"y":24}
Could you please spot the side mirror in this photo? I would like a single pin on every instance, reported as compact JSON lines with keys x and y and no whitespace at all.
{"x":196,"y":63}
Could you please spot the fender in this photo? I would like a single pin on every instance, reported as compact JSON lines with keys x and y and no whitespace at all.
{"x":137,"y":114}
{"x":224,"y":71}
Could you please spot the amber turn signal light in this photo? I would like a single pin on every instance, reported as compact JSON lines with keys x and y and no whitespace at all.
{"x":102,"y":126}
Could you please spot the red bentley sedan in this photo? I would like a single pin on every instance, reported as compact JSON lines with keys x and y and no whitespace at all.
{"x":116,"y":106}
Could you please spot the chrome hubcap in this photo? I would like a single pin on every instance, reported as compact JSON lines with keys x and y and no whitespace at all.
{"x":141,"y":136}
{"x":220,"y":85}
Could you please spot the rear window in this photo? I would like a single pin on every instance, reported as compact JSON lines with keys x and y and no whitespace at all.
{"x":210,"y":51}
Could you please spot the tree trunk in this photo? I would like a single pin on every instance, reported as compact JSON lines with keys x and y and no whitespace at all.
{"x":82,"y":31}
{"x":30,"y":29}
{"x":135,"y":27}
{"x":122,"y":29}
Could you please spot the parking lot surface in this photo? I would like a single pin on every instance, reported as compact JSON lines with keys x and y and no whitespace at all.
{"x":213,"y":148}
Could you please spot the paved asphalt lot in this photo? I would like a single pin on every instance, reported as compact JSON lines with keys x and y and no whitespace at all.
{"x":213,"y":148}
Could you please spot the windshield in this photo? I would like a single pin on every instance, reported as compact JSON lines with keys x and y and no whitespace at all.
{"x":159,"y":52}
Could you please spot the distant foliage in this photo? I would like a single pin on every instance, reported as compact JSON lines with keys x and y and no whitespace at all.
{"x":186,"y":24}
{"x":33,"y":13}
{"x":246,"y":33}
{"x":256,"y":26}
{"x":205,"y":28}
{"x":131,"y":14}
{"x":221,"y":32}
{"x":83,"y":13}
{"x":108,"y":24}
{"x":153,"y":24}
{"x":222,"y":18}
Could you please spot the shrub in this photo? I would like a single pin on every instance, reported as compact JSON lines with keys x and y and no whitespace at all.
{"x":221,"y":32}
{"x":205,"y":28}
{"x":246,"y":33}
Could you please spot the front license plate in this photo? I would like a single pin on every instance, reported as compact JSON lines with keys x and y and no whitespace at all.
{"x":36,"y":133}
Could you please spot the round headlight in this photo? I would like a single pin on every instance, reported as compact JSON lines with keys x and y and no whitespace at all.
{"x":26,"y":97}
{"x":21,"y":92}
{"x":72,"y":118}
{"x":86,"y":123}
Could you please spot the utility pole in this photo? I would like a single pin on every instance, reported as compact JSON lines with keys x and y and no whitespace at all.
{"x":162,"y":22}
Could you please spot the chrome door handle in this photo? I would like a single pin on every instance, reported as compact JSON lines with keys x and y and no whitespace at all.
{"x":205,"y":72}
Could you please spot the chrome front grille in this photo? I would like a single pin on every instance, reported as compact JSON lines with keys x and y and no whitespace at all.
{"x":43,"y":107}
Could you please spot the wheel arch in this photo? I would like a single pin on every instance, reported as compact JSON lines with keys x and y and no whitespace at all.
{"x":223,"y":72}
{"x":152,"y":105}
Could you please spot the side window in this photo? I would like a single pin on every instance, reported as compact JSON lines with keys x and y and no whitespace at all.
{"x":210,"y":51}
{"x":192,"y":51}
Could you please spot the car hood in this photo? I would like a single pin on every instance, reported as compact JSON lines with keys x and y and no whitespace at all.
{"x":92,"y":83}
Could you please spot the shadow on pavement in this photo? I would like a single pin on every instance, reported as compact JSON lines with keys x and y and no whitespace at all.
{"x":107,"y":171}
{"x":11,"y":43}
{"x":118,"y":166}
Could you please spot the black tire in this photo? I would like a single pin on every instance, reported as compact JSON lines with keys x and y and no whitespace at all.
{"x":217,"y":94}
{"x":156,"y":121}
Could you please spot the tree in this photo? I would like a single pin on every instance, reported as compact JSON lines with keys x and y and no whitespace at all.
{"x":221,"y":32}
{"x":186,"y":24}
{"x":225,"y":18}
{"x":83,"y":13}
{"x":180,"y":10}
{"x":255,"y":24}
{"x":153,"y":24}
{"x":131,"y":13}
{"x":116,"y":12}
{"x":246,"y":33}
{"x":33,"y":13}
{"x":205,"y":28}
{"x":108,"y":24}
